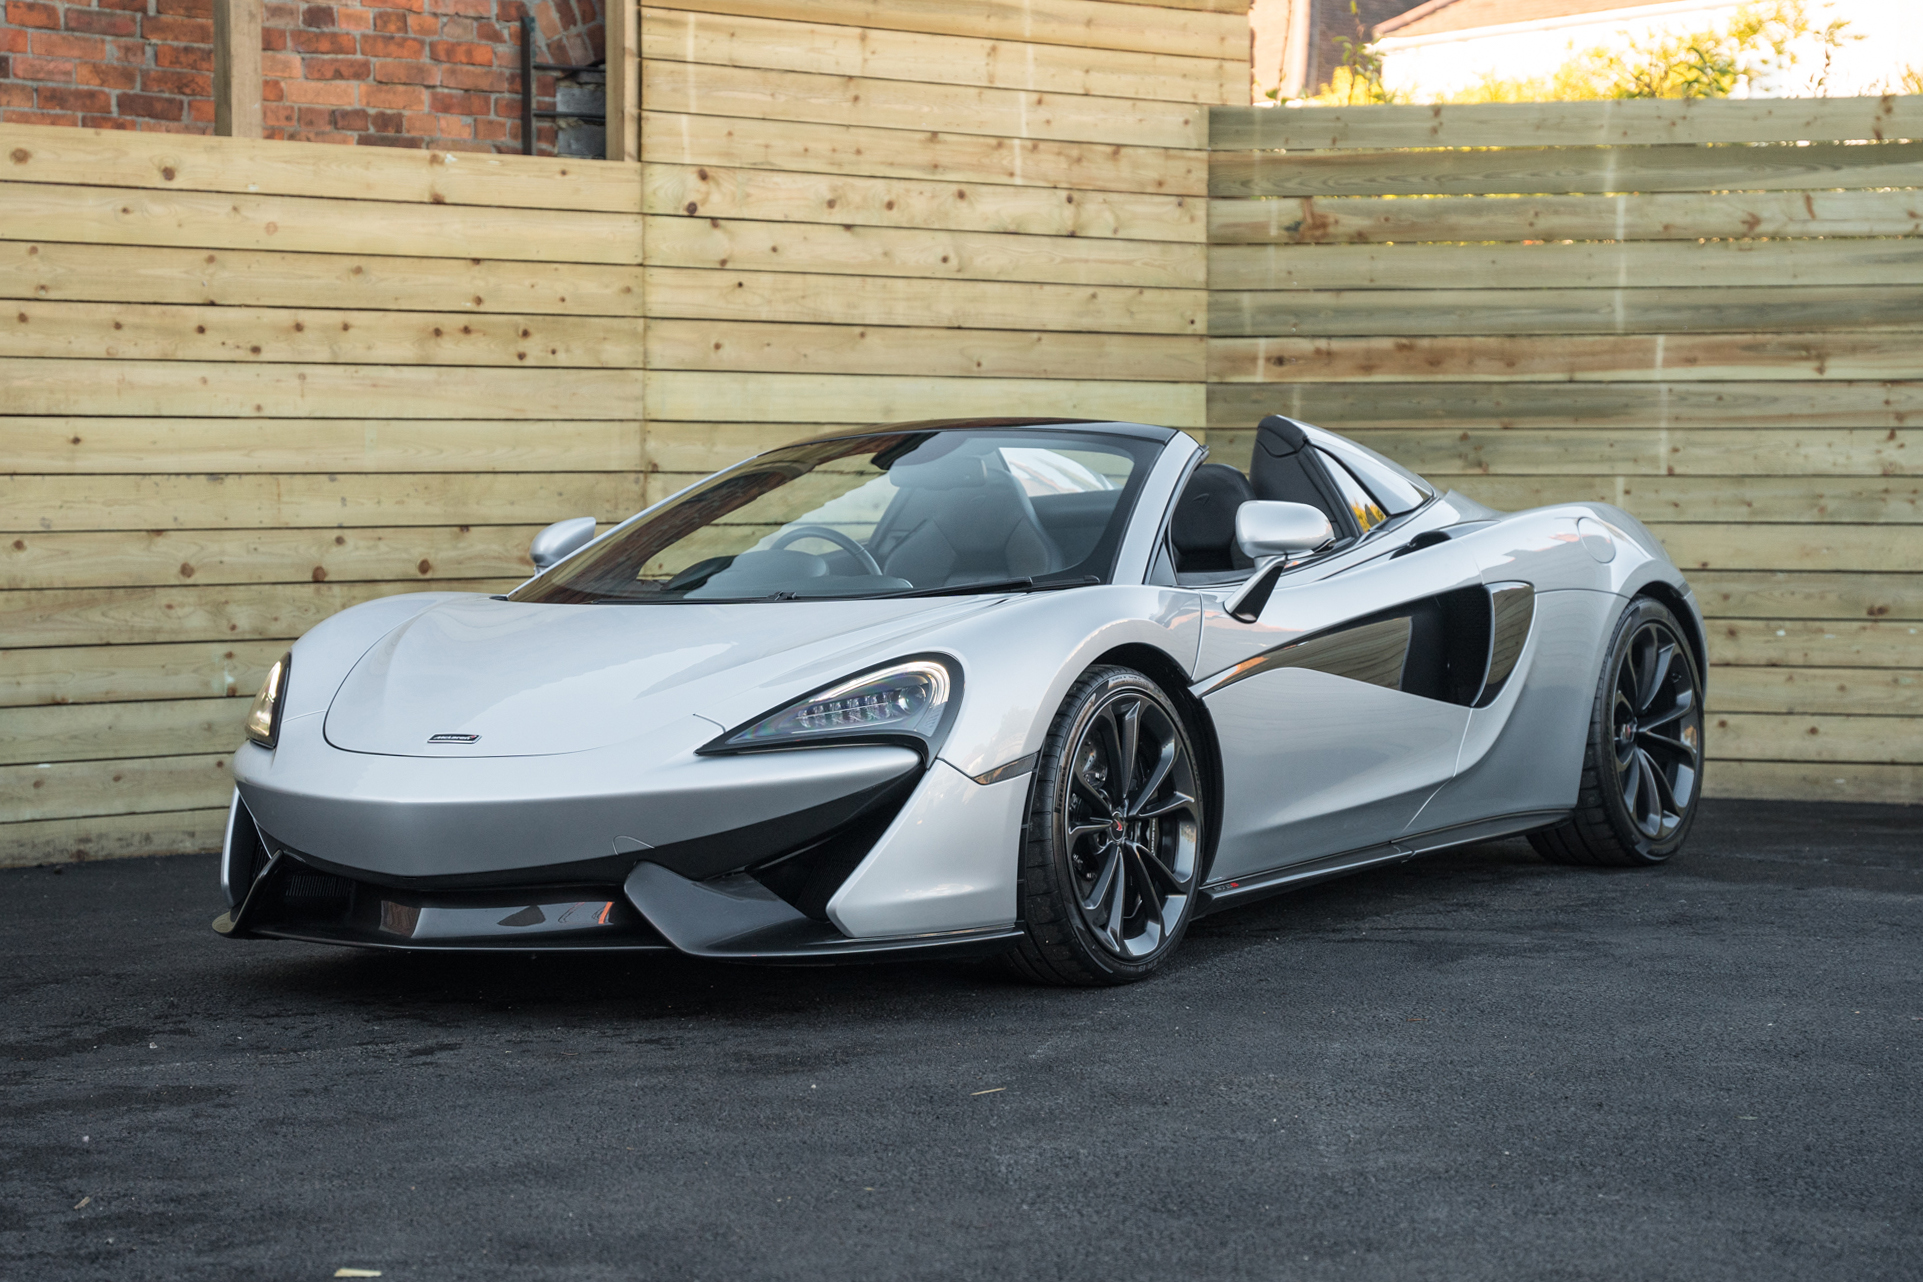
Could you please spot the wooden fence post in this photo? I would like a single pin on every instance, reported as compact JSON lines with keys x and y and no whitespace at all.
{"x":621,"y":31}
{"x":237,"y":68}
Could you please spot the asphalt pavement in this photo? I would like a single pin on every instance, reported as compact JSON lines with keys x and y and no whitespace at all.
{"x":1472,"y":1066}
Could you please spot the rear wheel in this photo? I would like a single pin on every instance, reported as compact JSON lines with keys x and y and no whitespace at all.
{"x":1113,"y":847}
{"x":1643,"y":769}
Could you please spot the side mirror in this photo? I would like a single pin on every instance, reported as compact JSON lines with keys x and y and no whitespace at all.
{"x":1266,"y":529}
{"x":560,"y":539}
{"x":1270,"y":533}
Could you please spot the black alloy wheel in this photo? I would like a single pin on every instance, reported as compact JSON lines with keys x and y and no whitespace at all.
{"x":1643,"y":768}
{"x":1113,"y":850}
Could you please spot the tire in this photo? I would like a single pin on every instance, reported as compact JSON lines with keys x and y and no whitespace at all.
{"x":1112,"y":848}
{"x":1642,"y":770}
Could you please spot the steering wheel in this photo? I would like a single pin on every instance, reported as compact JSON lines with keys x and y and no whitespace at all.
{"x":835,"y":537}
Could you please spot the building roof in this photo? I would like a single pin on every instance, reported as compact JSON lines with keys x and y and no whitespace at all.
{"x":1438,"y":16}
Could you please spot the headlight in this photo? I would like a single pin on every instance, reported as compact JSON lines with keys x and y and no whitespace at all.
{"x":263,"y":719}
{"x":906,"y":702}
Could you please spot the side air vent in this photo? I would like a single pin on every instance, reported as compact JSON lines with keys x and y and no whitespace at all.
{"x":1514,"y":609}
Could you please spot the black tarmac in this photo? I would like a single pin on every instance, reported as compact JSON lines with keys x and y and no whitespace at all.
{"x":1472,"y":1066}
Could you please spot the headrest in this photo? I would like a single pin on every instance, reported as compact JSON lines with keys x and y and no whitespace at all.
{"x":1205,"y":514}
{"x":951,"y":472}
{"x":1280,"y":436}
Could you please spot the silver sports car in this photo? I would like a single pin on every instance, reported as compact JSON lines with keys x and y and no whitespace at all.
{"x":1038,"y":688}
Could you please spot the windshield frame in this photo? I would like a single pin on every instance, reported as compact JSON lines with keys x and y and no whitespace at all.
{"x":1143,"y":443}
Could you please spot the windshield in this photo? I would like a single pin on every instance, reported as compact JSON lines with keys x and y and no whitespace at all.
{"x":873,"y":516}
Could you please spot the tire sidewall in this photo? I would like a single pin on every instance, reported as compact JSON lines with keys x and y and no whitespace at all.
{"x":1602,"y":749}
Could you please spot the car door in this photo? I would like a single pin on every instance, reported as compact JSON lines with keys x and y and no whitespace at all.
{"x":1341,"y":706}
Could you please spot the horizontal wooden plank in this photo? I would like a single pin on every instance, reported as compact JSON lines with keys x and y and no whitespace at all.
{"x":76,"y":789}
{"x":840,"y":50}
{"x":1793,"y":781}
{"x":774,"y":195}
{"x":61,"y":841}
{"x":1559,"y":170}
{"x":1478,"y":406}
{"x":1807,"y":546}
{"x":129,"y":388}
{"x":1762,"y":736}
{"x":313,"y":225}
{"x":1851,"y":354}
{"x":805,"y":298}
{"x":1091,"y":24}
{"x":1808,"y":594}
{"x":216,"y":501}
{"x":1724,"y":452}
{"x":157,"y":558}
{"x":689,"y":448}
{"x":282,"y":611}
{"x":173,"y":332}
{"x":818,"y":398}
{"x":923,"y":254}
{"x":1812,"y":513}
{"x":1581,"y":265}
{"x":758,"y":93}
{"x":47,"y":271}
{"x":1645,"y":310}
{"x":87,"y":446}
{"x":905,"y":153}
{"x":122,"y":673}
{"x":1578,"y":124}
{"x":112,"y":731}
{"x":187,"y":162}
{"x":1652,"y":216}
{"x":1817,"y":691}
{"x":851,"y":349}
{"x":1810,"y":643}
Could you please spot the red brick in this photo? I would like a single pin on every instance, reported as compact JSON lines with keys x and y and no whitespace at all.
{"x":420,"y":122}
{"x":280,"y":15}
{"x":486,"y":79}
{"x":353,"y":121}
{"x":317,"y":17}
{"x":316,"y":117}
{"x":25,"y":13}
{"x":272,"y":91}
{"x":184,"y":57}
{"x":322,"y":41}
{"x":457,"y":28}
{"x":40,"y":118}
{"x":131,"y":51}
{"x":336,"y":68}
{"x":43,"y":69}
{"x":374,"y":46}
{"x":14,"y":95}
{"x":59,"y":99}
{"x":462,"y":53}
{"x":412,"y":6}
{"x":510,"y":11}
{"x":201,"y":111}
{"x":55,"y":44}
{"x":275,"y":66}
{"x":188,"y":84}
{"x":330,"y":92}
{"x":423,"y":25}
{"x":385,"y":122}
{"x":389,"y":23}
{"x":394,"y":98}
{"x":463,"y":8}
{"x":496,"y":130}
{"x":272,"y":40}
{"x":399,"y":72}
{"x":465,"y":104}
{"x":12,"y":40}
{"x":151,"y":106}
{"x":101,"y":22}
{"x":124,"y":6}
{"x":355,"y":20}
{"x":107,"y":75}
{"x":192,"y":31}
{"x":277,"y":115}
{"x":185,"y":8}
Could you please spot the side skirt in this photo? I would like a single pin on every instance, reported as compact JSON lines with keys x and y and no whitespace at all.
{"x":1244,"y":890}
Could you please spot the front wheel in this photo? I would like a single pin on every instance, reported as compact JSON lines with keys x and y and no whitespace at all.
{"x":1642,"y":772}
{"x":1113,"y":847}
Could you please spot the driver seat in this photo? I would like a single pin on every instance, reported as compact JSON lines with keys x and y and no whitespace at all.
{"x":964,"y":520}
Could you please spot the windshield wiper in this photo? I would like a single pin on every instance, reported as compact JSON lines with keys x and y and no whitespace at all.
{"x":994,"y":585}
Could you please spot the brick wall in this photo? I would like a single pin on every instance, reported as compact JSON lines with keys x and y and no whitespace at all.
{"x":403,"y":73}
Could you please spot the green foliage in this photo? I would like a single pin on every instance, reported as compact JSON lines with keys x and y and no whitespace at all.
{"x":1711,"y":63}
{"x":1356,"y":80}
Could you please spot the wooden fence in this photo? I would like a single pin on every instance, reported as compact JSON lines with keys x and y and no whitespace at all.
{"x":1709,"y":313}
{"x":246,"y":384}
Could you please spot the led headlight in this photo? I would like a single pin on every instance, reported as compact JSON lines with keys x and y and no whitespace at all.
{"x":263,"y":719}
{"x":906,"y":702}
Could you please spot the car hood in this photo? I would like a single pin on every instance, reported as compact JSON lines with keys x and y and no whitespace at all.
{"x":534,"y":680}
